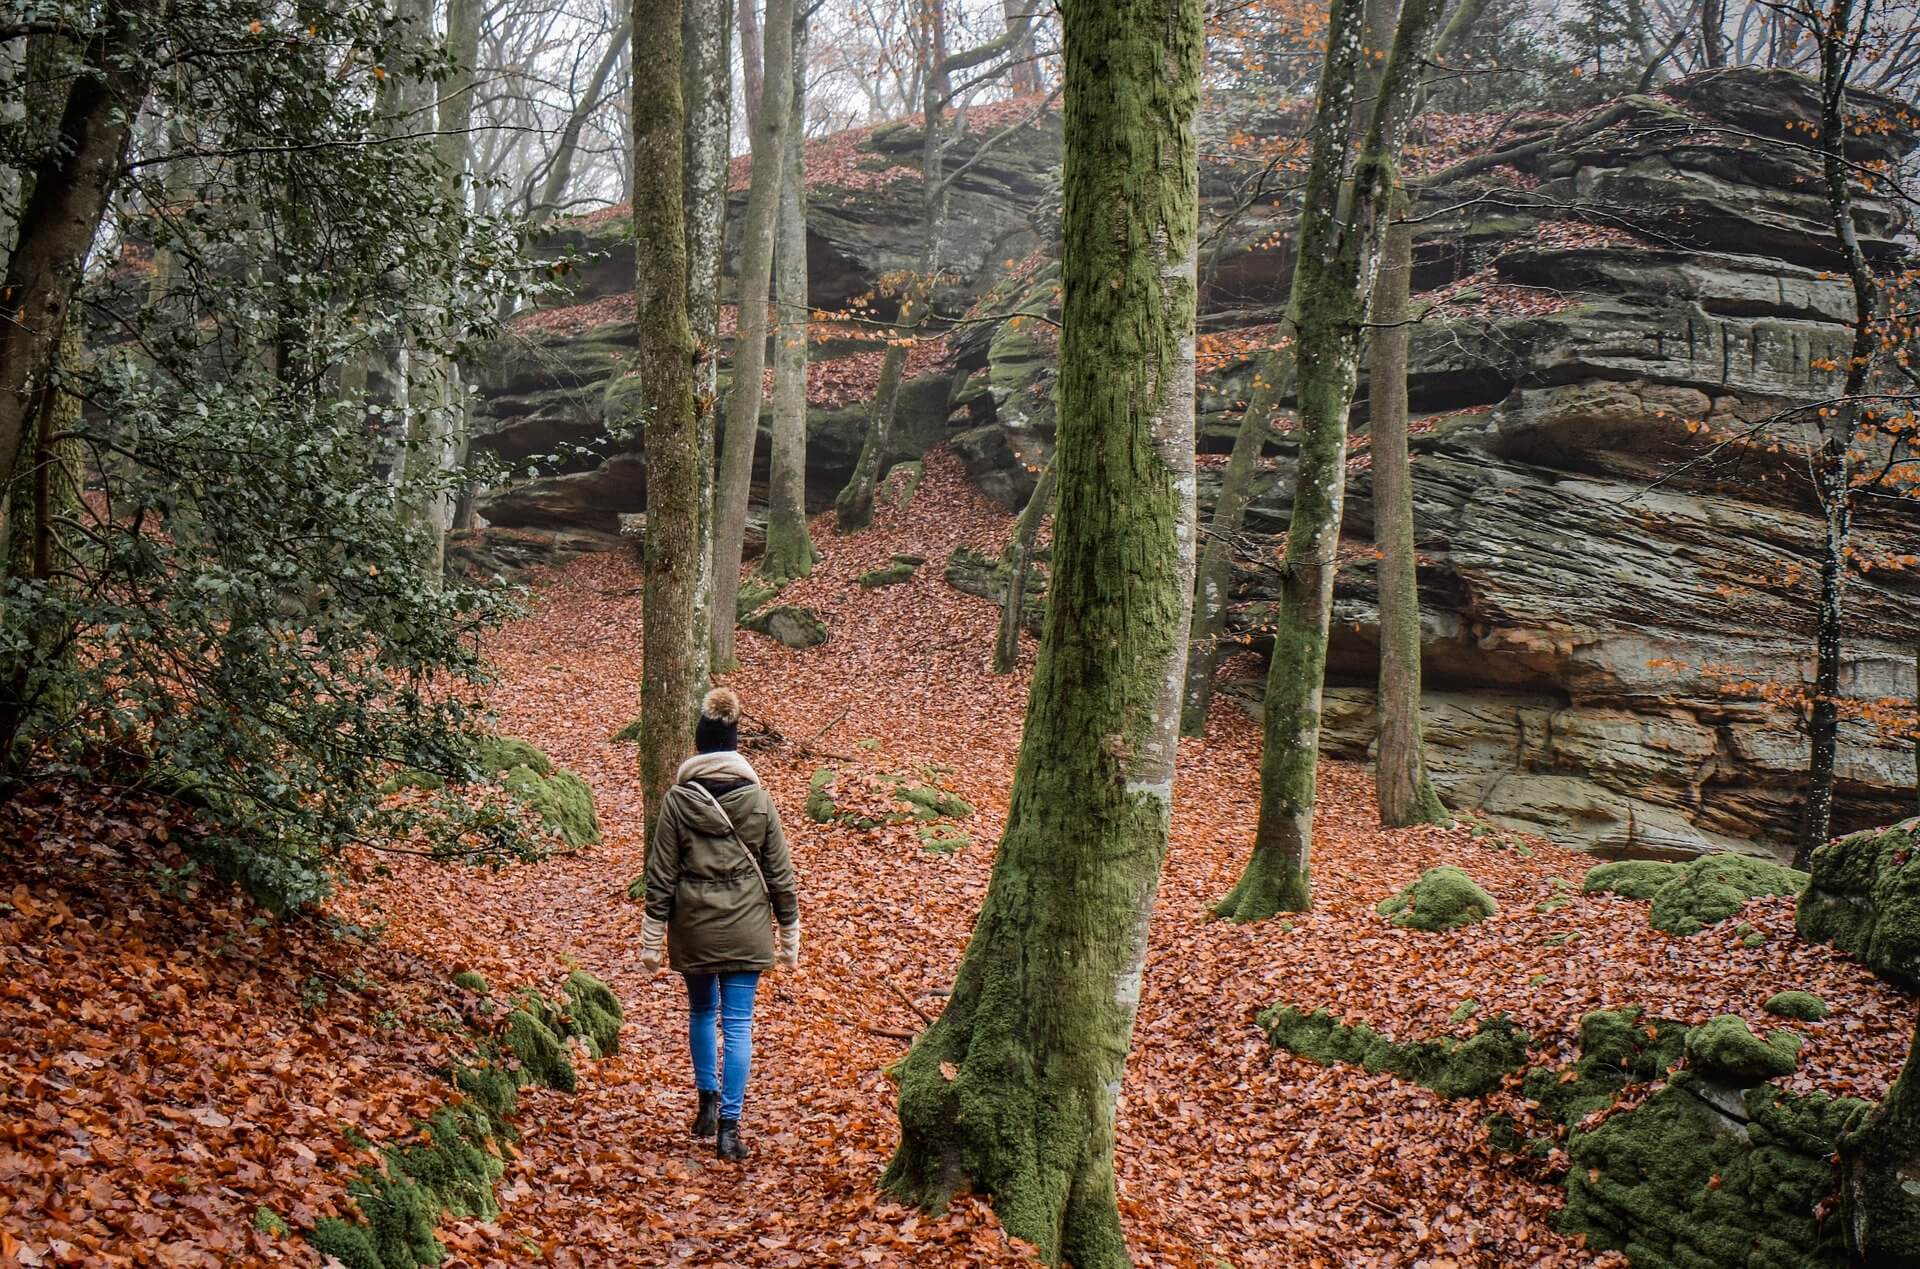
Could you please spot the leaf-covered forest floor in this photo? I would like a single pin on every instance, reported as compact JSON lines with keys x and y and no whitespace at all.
{"x":168,"y":1062}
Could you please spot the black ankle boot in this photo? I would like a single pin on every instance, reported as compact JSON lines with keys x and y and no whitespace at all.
{"x":708,"y":1120}
{"x":727,"y":1144}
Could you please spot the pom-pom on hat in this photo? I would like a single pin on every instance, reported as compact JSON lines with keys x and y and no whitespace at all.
{"x":718,"y":727}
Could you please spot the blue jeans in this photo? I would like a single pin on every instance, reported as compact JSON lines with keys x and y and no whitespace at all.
{"x":730,"y":996}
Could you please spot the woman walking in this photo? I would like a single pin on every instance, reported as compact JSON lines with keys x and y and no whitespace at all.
{"x":718,"y":879}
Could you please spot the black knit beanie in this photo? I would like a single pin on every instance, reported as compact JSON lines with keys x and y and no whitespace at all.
{"x":718,"y":727}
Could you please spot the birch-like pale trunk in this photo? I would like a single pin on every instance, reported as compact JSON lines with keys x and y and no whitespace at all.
{"x":1012,"y":1090}
{"x":1339,"y":246}
{"x":706,"y":84}
{"x":750,"y":345}
{"x":790,"y":551}
{"x":668,"y":355}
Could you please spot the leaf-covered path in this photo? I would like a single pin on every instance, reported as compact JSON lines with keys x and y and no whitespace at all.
{"x":169,"y":1064}
{"x":1231,"y":1153}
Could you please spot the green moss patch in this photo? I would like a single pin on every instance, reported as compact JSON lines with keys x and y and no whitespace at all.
{"x":633,"y":733}
{"x":594,"y":1013}
{"x":501,"y":754}
{"x":1450,"y":1067}
{"x":1863,"y":897}
{"x":1698,"y":1175}
{"x":471,"y":981}
{"x":1726,"y":1049}
{"x":560,"y":799}
{"x":755,"y":593}
{"x":899,"y":485}
{"x":944,"y":840}
{"x":820,"y":805}
{"x":1618,"y":1047}
{"x":1801,"y":1005}
{"x":1689,"y":897}
{"x":542,"y":1057}
{"x":900,"y":570}
{"x":1631,"y":878}
{"x":1444,"y":898}
{"x":929,"y":803}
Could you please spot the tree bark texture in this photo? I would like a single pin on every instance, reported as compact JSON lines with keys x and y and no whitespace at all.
{"x":1834,"y":476}
{"x":706,"y":85}
{"x":1214,"y":577}
{"x":1331,"y":284}
{"x":1012,"y":1091}
{"x":750,"y":345}
{"x":752,"y":65}
{"x":1404,"y":794}
{"x":1006,"y":644}
{"x":667,"y":361}
{"x":71,"y":188}
{"x":790,"y":552}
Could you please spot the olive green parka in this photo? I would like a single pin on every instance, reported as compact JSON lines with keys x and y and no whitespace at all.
{"x":718,"y":871}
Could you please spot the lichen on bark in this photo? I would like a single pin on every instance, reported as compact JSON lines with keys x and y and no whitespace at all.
{"x":1012,"y":1090}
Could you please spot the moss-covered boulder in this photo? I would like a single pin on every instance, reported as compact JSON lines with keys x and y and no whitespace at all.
{"x":471,"y":980}
{"x":453,"y":1163}
{"x":1803,"y":1006}
{"x":498,"y":755}
{"x":1449,"y":1066}
{"x":901,"y":569}
{"x":1727,"y":1050}
{"x":1444,"y":898}
{"x":755,"y":593}
{"x":594,"y":1013}
{"x":1631,"y":878}
{"x":1863,"y":897}
{"x":926,"y":802}
{"x":400,"y":1217}
{"x":944,"y":839}
{"x":1618,"y":1047}
{"x":1699,"y":1175}
{"x":542,"y":1057}
{"x":561,"y":800}
{"x":789,"y":625}
{"x":1715,"y":887}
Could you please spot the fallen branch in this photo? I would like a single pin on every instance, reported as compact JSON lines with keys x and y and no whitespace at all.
{"x":907,"y":1000}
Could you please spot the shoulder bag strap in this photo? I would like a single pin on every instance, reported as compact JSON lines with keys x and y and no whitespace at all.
{"x":734,"y":833}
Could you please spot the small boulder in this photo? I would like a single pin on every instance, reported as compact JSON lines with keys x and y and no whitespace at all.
{"x":1444,"y":898}
{"x":1715,"y":887}
{"x":790,"y":625}
{"x":1631,"y":878}
{"x":1802,"y":1006}
{"x":1727,"y":1049}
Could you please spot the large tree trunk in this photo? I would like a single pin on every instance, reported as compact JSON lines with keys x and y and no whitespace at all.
{"x":790,"y":550}
{"x":750,"y":345}
{"x":1214,"y":578}
{"x":1330,"y":288}
{"x":706,"y":85}
{"x":1019,"y":560}
{"x":1012,"y":1091}
{"x":1833,"y":479}
{"x":1404,"y":794}
{"x":71,"y":187}
{"x":667,"y":372}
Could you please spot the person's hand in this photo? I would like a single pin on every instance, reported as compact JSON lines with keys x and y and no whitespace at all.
{"x":653,"y":939}
{"x":787,"y":953}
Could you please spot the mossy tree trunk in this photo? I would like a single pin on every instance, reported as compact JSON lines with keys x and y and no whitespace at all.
{"x":706,"y":89}
{"x":1880,"y":1176}
{"x":790,"y":550}
{"x":1006,"y":644}
{"x":1339,"y":244}
{"x":1404,"y":794}
{"x":1213,"y":580}
{"x":750,"y":344}
{"x":1012,"y":1090}
{"x":1836,"y":425}
{"x":667,"y":360}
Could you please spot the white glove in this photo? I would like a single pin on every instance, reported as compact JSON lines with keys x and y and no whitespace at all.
{"x":787,"y":954}
{"x":653,"y":938}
